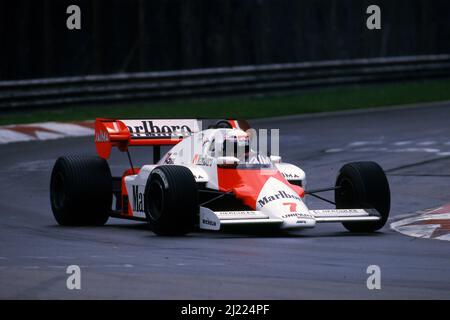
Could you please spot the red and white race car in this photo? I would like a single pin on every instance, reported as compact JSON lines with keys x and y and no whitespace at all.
{"x":208,"y":179}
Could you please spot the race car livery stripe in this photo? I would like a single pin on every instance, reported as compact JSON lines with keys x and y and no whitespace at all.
{"x":127,"y":211}
{"x":247,"y":184}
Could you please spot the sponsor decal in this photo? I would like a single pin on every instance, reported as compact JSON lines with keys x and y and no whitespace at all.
{"x":343,"y":212}
{"x":297,"y":215}
{"x":138,"y":199}
{"x":291,"y":175}
{"x":237,"y":213}
{"x":209,"y":222}
{"x":147,"y":128}
{"x":101,"y":136}
{"x":279,"y":195}
{"x":291,"y":215}
{"x":202,"y":161}
{"x":225,"y":215}
{"x":169,"y":158}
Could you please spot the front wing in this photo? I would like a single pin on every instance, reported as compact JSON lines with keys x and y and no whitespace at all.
{"x":345,"y":215}
{"x":213,"y":220}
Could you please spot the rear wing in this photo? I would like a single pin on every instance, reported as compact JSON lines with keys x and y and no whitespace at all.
{"x":144,"y":132}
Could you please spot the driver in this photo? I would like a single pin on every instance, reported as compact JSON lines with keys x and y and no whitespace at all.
{"x":238,"y":146}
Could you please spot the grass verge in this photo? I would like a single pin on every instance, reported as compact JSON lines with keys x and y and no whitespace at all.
{"x":306,"y":101}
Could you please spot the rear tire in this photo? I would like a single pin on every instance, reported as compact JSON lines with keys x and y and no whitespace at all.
{"x":171,"y":200}
{"x":81,"y":190}
{"x":363,"y":185}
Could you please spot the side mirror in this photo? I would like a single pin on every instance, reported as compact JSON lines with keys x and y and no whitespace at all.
{"x":275,"y":159}
{"x":227,"y":161}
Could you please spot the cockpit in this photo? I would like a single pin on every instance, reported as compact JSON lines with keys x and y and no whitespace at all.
{"x":238,"y":148}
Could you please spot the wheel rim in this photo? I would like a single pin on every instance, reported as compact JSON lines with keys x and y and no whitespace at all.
{"x":347,"y":196}
{"x":156,"y":198}
{"x":58,"y":191}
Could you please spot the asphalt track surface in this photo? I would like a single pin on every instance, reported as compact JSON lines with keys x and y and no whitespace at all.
{"x":125,"y":260}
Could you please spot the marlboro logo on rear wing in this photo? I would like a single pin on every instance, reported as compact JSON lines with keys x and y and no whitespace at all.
{"x":146,"y":132}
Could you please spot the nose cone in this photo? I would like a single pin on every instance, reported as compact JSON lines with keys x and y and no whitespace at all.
{"x":299,"y":222}
{"x":278,"y":200}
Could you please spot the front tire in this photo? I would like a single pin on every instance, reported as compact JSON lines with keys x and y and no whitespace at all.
{"x":363,"y":185}
{"x":171,"y":200}
{"x":81,"y":190}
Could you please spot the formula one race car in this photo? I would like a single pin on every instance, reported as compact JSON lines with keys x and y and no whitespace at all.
{"x":209,"y":179}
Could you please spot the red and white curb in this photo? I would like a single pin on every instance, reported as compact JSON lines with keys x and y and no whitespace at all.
{"x":45,"y":131}
{"x":429,"y":224}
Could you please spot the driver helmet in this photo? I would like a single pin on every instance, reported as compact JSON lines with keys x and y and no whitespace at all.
{"x":236,"y":145}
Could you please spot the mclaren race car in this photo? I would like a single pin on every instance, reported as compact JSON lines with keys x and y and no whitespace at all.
{"x":208,"y":179}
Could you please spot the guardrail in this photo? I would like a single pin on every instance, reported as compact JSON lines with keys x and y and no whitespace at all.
{"x":217,"y":81}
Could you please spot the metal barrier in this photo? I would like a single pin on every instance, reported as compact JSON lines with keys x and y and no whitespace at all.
{"x":217,"y":81}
